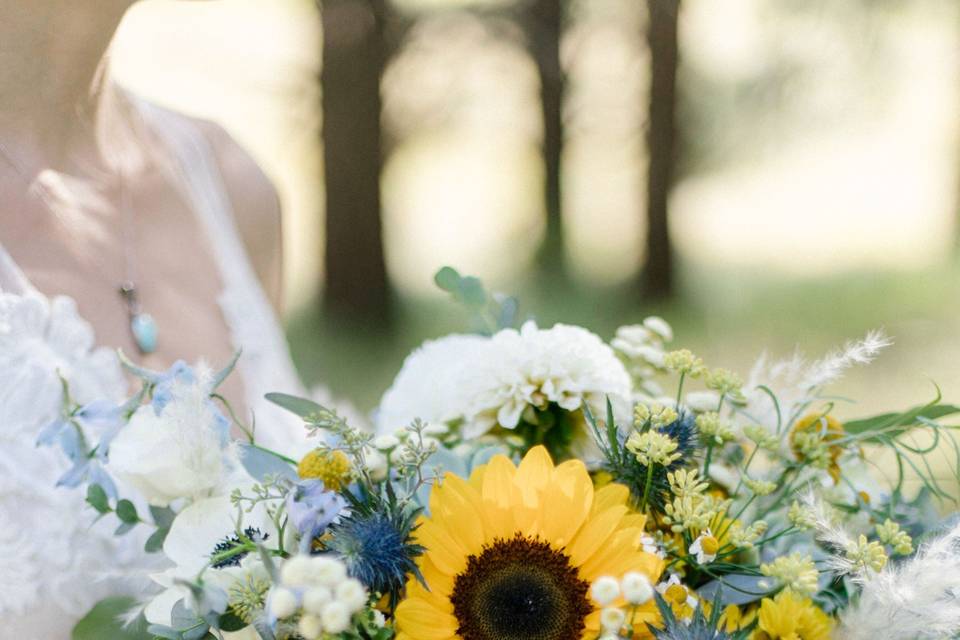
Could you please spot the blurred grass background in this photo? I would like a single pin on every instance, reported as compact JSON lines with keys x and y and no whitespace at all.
{"x":815,"y":193}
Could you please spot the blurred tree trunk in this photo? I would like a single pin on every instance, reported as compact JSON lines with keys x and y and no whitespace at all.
{"x":662,"y":32}
{"x":544,"y":27}
{"x":353,"y":60}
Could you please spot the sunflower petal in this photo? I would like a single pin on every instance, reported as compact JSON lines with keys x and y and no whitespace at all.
{"x":610,"y":495}
{"x":567,"y":502}
{"x":423,"y":621}
{"x":594,"y":534}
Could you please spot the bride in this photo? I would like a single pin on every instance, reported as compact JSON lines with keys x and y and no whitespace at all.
{"x":122,"y":225}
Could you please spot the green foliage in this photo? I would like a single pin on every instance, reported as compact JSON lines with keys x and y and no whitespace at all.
{"x":127,"y":512}
{"x":163,"y":519}
{"x":699,"y":628}
{"x":105,"y":621}
{"x":97,"y":498}
{"x":489,"y":312}
{"x":898,"y":432}
{"x":260,"y":463}
{"x":897,"y":423}
{"x":553,"y":427}
{"x":306,"y":409}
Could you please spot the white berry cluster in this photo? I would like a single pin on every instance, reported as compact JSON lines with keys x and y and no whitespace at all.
{"x":316,"y":594}
{"x":634,"y":589}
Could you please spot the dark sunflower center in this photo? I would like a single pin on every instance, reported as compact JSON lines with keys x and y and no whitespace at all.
{"x":520,"y":589}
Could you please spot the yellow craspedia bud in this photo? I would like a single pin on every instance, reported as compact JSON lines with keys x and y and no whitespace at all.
{"x":333,"y":467}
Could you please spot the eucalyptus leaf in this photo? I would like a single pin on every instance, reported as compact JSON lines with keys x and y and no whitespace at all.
{"x":155,"y":542}
{"x":97,"y":498}
{"x":186,"y":622}
{"x":302,"y":407}
{"x":509,"y":307}
{"x":127,"y":512}
{"x":472,"y":293}
{"x":260,"y":463}
{"x":162,"y":516}
{"x":105,"y":621}
{"x":161,"y":631}
{"x":447,"y":279}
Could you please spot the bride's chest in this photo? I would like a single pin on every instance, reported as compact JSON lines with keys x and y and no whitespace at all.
{"x":157,"y":243}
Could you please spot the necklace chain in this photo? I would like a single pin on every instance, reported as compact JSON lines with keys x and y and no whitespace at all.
{"x":142,"y":325}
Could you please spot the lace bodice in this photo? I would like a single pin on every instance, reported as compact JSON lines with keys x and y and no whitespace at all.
{"x":55,"y":563}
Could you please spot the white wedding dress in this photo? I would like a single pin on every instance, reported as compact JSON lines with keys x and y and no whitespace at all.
{"x":54,"y":562}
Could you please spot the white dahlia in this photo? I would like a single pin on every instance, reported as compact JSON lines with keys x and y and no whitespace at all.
{"x":433,"y":383}
{"x":490,"y":382}
{"x":564,"y":365}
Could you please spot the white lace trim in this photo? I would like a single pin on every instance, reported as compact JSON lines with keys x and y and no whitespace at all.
{"x":51,"y":554}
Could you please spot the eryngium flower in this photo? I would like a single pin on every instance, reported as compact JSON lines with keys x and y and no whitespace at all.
{"x":377,"y":550}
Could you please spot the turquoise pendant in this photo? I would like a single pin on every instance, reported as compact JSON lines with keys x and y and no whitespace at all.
{"x":144,"y":329}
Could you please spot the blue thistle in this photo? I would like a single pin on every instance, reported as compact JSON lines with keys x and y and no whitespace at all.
{"x":624,"y":466}
{"x":377,"y":550}
{"x":684,"y":431}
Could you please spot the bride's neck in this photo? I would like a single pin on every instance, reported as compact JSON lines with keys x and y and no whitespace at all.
{"x":50,"y":55}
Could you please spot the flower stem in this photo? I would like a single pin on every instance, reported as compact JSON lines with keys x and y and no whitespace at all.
{"x":680,"y":389}
{"x":646,"y":487}
{"x":706,"y":462}
{"x":744,"y":471}
{"x":274,"y":453}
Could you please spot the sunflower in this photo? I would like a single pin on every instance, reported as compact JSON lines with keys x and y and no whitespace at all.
{"x":512,"y":551}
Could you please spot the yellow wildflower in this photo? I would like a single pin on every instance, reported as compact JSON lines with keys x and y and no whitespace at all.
{"x":889,"y":533}
{"x":652,"y":447}
{"x":811,"y":439}
{"x":796,"y":572}
{"x":683,"y":361}
{"x":791,"y":617}
{"x":333,"y":467}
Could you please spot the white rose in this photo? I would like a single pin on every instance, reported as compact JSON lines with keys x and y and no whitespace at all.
{"x":177,"y":454}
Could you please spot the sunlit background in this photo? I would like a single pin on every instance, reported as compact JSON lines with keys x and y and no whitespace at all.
{"x":816,"y":193}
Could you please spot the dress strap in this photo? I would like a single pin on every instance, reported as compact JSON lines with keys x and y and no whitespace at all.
{"x":266,"y":364}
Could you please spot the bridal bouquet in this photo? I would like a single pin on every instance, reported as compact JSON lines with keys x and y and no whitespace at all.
{"x":535,"y":483}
